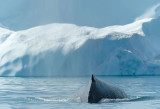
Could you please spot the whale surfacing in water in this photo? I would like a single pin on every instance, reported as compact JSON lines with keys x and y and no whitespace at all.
{"x":99,"y":90}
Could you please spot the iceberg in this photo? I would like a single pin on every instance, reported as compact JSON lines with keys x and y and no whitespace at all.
{"x":70,"y":50}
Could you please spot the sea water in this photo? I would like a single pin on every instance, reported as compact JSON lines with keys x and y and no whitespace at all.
{"x":58,"y":92}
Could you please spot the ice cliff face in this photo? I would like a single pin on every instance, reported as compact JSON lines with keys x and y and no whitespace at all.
{"x":67,"y":49}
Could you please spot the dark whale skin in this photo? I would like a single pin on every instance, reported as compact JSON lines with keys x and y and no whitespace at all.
{"x":99,"y":90}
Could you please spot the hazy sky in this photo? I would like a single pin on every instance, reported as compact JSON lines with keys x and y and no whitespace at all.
{"x":23,"y":14}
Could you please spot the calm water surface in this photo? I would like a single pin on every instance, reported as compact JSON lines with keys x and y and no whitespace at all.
{"x":56,"y":93}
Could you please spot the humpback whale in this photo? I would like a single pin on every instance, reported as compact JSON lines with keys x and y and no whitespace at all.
{"x":99,"y":90}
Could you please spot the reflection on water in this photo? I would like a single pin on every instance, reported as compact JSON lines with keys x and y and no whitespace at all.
{"x":40,"y":93}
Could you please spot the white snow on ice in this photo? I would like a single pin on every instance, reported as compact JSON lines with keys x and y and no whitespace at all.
{"x":67,"y":38}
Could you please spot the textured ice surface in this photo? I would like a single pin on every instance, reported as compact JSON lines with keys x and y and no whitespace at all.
{"x":67,"y":49}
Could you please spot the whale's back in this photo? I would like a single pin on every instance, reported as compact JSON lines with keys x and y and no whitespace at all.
{"x":99,"y":90}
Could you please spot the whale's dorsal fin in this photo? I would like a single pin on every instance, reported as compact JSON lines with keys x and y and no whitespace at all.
{"x":93,"y":78}
{"x":100,"y":90}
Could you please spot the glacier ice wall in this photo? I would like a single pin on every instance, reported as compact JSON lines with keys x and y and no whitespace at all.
{"x":67,"y":49}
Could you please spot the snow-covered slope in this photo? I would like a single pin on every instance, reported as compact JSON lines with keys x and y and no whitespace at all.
{"x":67,"y":49}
